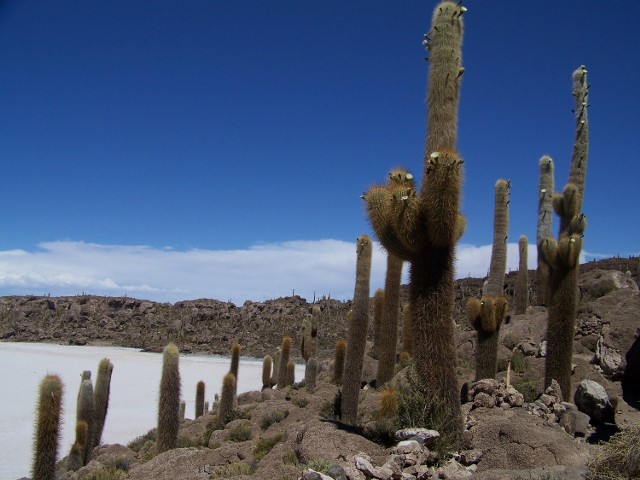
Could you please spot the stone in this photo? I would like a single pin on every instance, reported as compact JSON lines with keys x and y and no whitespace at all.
{"x":591,"y":398}
{"x":575,"y":422}
{"x":609,"y":359}
{"x":554,"y":390}
{"x":470,"y":457}
{"x":452,"y":470}
{"x":542,"y":349}
{"x":486,"y":385}
{"x":311,"y":474}
{"x":421,"y":435}
{"x":336,"y":472}
{"x":408,"y":446}
{"x":484,"y":400}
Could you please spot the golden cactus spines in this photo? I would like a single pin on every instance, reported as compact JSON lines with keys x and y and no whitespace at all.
{"x":47,"y":437}
{"x":267,"y":363}
{"x":474,"y":311}
{"x":285,"y":353}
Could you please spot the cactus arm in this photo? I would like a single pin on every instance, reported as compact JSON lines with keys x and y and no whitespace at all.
{"x":498,"y":265}
{"x":522,"y":282}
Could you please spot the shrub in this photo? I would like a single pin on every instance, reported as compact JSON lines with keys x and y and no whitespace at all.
{"x":519,"y":362}
{"x":240,"y":433}
{"x":529,"y":388}
{"x":264,"y":446}
{"x":107,"y":474}
{"x":273,"y":417}
{"x":300,"y":402}
{"x":140,"y":442}
{"x":120,"y":463}
{"x":319,"y":465}
{"x":231,"y":470}
{"x":290,"y":458}
{"x":619,"y":458}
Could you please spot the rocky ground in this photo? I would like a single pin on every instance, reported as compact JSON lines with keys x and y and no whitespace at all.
{"x":512,"y":431}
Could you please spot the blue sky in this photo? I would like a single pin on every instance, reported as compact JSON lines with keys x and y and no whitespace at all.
{"x":173,"y":150}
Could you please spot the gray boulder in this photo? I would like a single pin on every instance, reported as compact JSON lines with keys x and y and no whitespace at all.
{"x":591,"y":398}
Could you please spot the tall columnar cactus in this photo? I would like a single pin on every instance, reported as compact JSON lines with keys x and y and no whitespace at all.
{"x":199,"y":399}
{"x":495,"y":284}
{"x":276,"y":366}
{"x":389,"y":324}
{"x":267,"y":363}
{"x":357,"y":332}
{"x":378,"y":305}
{"x":101,"y":398}
{"x":226,"y":400}
{"x":309,"y":334}
{"x":47,"y":438}
{"x":407,"y":340}
{"x":562,"y":256}
{"x":485,"y":316}
{"x":235,"y":362}
{"x":522,"y":282}
{"x":75,"y":460}
{"x":338,"y":365}
{"x":169,"y":402}
{"x":85,"y":412}
{"x":290,"y":374}
{"x":311,"y":373}
{"x":543,"y":231}
{"x":424,"y":227}
{"x":285,"y":353}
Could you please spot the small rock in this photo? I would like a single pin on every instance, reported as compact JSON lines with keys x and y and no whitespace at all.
{"x":609,"y":359}
{"x":505,"y":406}
{"x":592,"y":399}
{"x":452,"y":470}
{"x":486,"y":385}
{"x":542,"y":349}
{"x":311,"y":474}
{"x":336,"y":472}
{"x":554,"y":390}
{"x":470,"y":457}
{"x":421,"y":435}
{"x":408,"y":446}
{"x":575,"y":422}
{"x":484,"y":400}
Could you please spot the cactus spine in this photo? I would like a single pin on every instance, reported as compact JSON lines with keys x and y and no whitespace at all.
{"x":169,"y":402}
{"x":101,"y":398}
{"x":266,"y":371}
{"x":389,"y":325}
{"x":562,"y":257}
{"x":85,"y":412}
{"x":47,"y":438}
{"x":424,"y":227}
{"x":199,"y":399}
{"x":357,"y":332}
{"x":226,"y":400}
{"x":378,"y":306}
{"x":285,"y":352}
{"x":543,"y":231}
{"x":338,"y":366}
{"x":522,"y":282}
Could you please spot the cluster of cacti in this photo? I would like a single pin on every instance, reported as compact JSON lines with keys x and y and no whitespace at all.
{"x":561,"y":257}
{"x":424,"y":227}
{"x":47,"y":437}
{"x":338,"y":364}
{"x":522,"y":281}
{"x":285,"y":353}
{"x":389,"y":324}
{"x":485,"y":316}
{"x":169,"y":400}
{"x":357,"y":332}
{"x":199,"y":399}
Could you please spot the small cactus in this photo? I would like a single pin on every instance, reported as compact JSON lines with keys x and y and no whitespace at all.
{"x":311,"y":373}
{"x":47,"y":438}
{"x":485,"y":316}
{"x":266,"y":372}
{"x":199,"y":399}
{"x":75,"y":460}
{"x":226,"y":400}
{"x":235,"y":363}
{"x":522,"y":282}
{"x":290,"y":374}
{"x":85,"y":412}
{"x":338,"y":366}
{"x":378,"y":305}
{"x":101,"y":398}
{"x":285,"y":353}
{"x":169,"y":402}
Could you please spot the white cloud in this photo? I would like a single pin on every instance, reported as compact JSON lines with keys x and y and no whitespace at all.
{"x":323,"y":267}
